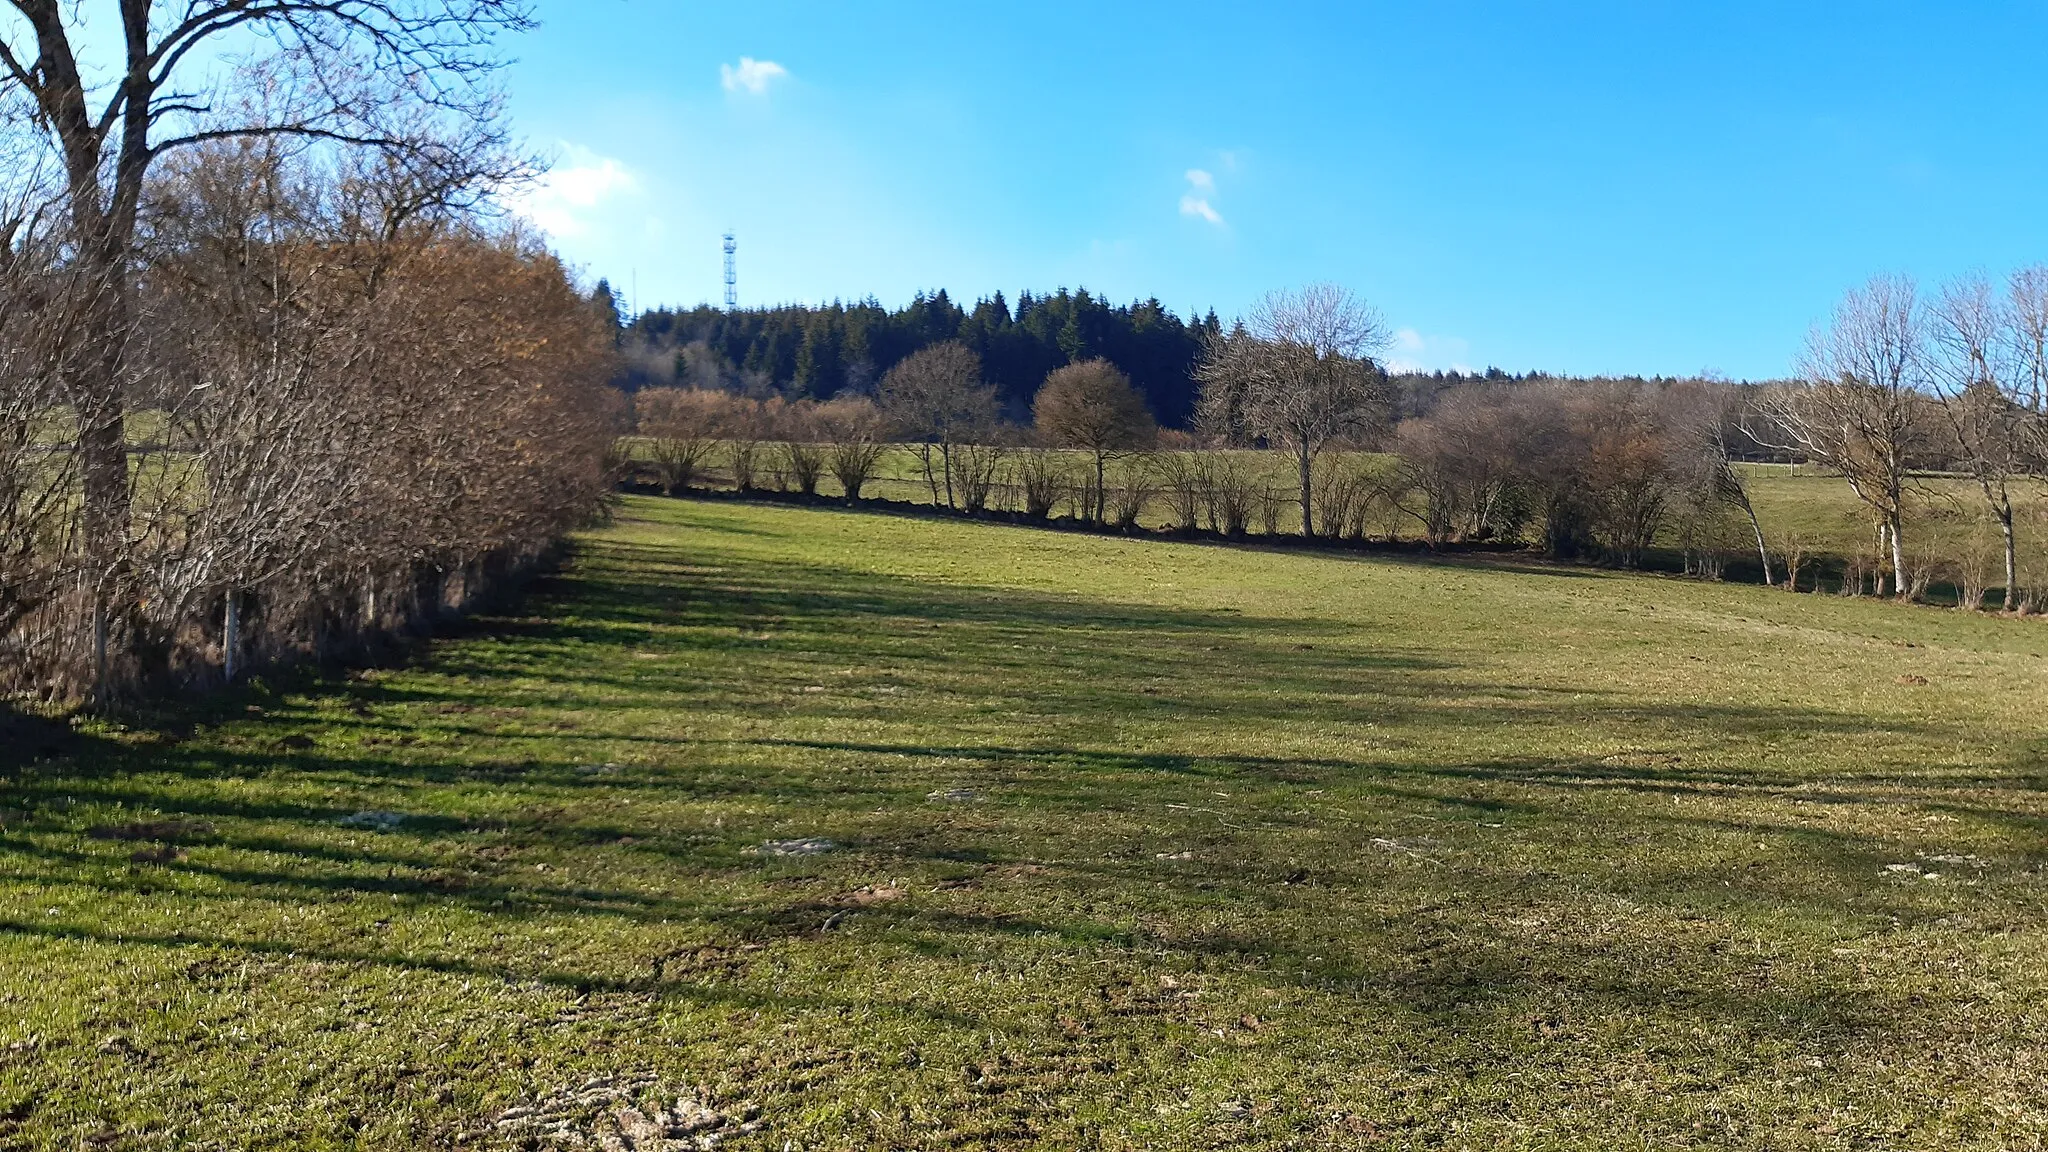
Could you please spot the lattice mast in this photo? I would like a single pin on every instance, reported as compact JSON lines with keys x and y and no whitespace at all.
{"x":732,"y":277}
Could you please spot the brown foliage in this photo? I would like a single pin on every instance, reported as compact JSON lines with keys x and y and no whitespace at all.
{"x":349,"y":428}
{"x":1091,"y":406}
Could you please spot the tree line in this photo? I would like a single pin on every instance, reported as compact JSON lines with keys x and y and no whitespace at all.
{"x":817,"y":353}
{"x":1610,"y":470}
{"x":273,"y":381}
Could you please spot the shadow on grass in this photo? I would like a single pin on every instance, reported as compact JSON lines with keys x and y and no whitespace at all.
{"x":27,"y":739}
{"x":635,"y":626}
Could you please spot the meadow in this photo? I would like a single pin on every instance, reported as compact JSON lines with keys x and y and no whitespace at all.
{"x":792,"y":828}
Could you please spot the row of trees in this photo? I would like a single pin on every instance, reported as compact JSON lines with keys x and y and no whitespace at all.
{"x":1601,"y":469}
{"x":272,"y":384}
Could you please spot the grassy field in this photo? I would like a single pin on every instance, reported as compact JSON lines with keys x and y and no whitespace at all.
{"x":830,"y":830}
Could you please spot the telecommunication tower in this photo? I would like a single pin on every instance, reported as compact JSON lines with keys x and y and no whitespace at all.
{"x":732,"y":294}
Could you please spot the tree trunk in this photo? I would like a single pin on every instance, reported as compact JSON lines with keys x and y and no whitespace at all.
{"x":931,"y":479}
{"x":100,"y":692}
{"x":1305,"y":461}
{"x":2012,"y":560}
{"x":1898,"y":556}
{"x":1101,"y":487}
{"x":231,"y":639}
{"x":1763,"y":553}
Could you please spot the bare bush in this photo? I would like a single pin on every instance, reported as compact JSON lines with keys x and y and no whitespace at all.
{"x":975,"y":467}
{"x":1339,"y":498}
{"x":336,"y":426}
{"x":745,"y":429}
{"x":1228,"y":493}
{"x":800,"y":454}
{"x":681,"y":427}
{"x":1132,"y":490}
{"x":1184,"y":484}
{"x":389,"y":86}
{"x":853,"y":428}
{"x":1268,"y":504}
{"x":1042,"y":476}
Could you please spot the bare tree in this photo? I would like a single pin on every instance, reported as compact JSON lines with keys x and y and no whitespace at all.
{"x":1298,"y":374}
{"x":1091,"y":406}
{"x":937,"y":400}
{"x":39,"y":336}
{"x":1980,"y":358}
{"x":2027,"y":304}
{"x":1858,"y":408}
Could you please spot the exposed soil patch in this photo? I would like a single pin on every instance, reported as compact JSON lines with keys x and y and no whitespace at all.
{"x":166,"y":831}
{"x":623,"y":1114}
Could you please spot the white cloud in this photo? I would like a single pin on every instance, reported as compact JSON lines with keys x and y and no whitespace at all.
{"x":564,"y":202}
{"x":1414,"y":352}
{"x":751,"y":76}
{"x":1195,"y":201}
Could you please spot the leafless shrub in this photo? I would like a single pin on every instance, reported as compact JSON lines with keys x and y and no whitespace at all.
{"x":1133,"y":488}
{"x":342,"y":426}
{"x":975,"y":467}
{"x":681,"y":427}
{"x":395,"y":94}
{"x":1460,"y":475}
{"x":1042,"y":476}
{"x":852,"y":426}
{"x":800,"y":455}
{"x":1184,"y":484}
{"x":1268,"y":503}
{"x":1227,"y":492}
{"x":745,"y":429}
{"x":1338,"y":496}
{"x":1794,"y":551}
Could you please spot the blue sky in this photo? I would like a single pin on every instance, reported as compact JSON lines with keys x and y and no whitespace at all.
{"x":1626,"y":187}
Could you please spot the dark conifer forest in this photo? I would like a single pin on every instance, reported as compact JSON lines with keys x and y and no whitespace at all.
{"x":805,"y":352}
{"x":817,"y":353}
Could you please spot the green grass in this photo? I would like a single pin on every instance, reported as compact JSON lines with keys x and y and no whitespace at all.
{"x":1262,"y":849}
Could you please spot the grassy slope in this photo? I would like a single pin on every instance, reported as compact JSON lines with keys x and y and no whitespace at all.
{"x":1270,"y":850}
